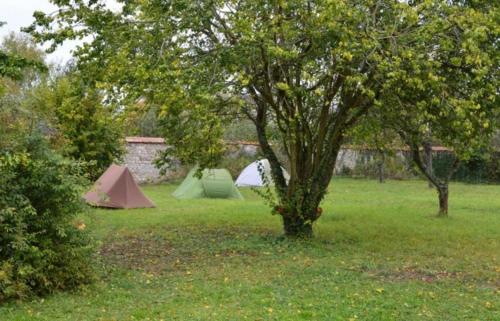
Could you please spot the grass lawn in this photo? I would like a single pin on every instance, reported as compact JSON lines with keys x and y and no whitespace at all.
{"x":379,"y":254}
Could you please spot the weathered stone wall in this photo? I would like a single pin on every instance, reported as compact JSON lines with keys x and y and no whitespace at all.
{"x":242,"y":149}
{"x":142,"y":152}
{"x":349,"y":158}
{"x":140,"y":156}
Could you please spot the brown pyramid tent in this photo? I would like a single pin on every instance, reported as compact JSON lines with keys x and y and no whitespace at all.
{"x":117,"y":188}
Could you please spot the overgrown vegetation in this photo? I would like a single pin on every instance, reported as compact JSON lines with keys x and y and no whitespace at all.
{"x":482,"y":168}
{"x":42,"y":248}
{"x":479,"y":169}
{"x":21,"y":65}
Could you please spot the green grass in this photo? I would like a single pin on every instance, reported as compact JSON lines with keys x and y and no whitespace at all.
{"x":379,"y":254}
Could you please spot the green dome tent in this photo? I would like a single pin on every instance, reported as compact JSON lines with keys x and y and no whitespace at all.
{"x":214,"y":183}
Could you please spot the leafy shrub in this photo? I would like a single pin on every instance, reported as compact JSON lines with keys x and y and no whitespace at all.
{"x":236,"y":164}
{"x":345,"y":171}
{"x":41,"y":248}
{"x":237,"y":157}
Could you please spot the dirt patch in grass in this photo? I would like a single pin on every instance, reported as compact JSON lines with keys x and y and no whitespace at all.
{"x":164,"y":250}
{"x":411,"y":274}
{"x":137,"y":252}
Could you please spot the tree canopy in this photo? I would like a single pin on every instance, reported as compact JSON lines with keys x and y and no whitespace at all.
{"x":312,"y":69}
{"x":444,"y":90}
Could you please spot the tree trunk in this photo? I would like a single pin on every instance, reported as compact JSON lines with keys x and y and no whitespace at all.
{"x":443,"y":200}
{"x":440,"y":184}
{"x":428,"y":160}
{"x":380,"y":165}
{"x":297,"y":227}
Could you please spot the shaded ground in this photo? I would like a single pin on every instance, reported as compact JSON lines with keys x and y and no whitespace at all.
{"x":153,"y":254}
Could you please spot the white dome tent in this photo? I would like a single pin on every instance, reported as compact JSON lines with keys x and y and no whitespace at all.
{"x":250,"y":176}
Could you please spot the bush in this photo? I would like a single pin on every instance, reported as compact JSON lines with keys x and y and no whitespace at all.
{"x":236,"y":164}
{"x":41,"y":247}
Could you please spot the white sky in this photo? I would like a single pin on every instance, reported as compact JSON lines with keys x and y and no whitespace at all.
{"x":19,"y":13}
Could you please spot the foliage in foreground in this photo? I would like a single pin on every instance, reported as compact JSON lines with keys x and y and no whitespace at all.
{"x":14,"y":64}
{"x":42,"y":248}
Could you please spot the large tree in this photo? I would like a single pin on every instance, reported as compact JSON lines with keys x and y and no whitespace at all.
{"x":310,"y":68}
{"x":445,"y":89}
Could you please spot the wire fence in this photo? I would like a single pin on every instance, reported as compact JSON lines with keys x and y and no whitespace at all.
{"x":478,"y":170}
{"x":369,"y":164}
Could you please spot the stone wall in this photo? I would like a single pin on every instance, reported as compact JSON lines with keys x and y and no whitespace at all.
{"x":242,"y":149}
{"x":142,"y":152}
{"x":140,"y":156}
{"x":347,"y":158}
{"x":350,"y":157}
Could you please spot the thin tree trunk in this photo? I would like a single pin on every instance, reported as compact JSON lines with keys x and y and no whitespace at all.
{"x":428,"y":161}
{"x":440,"y":184}
{"x":381,"y":174}
{"x":443,"y":200}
